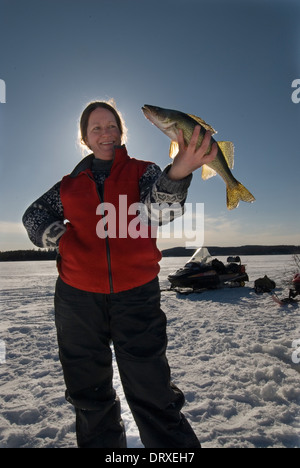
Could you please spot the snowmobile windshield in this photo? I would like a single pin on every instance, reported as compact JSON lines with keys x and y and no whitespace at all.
{"x":201,"y":255}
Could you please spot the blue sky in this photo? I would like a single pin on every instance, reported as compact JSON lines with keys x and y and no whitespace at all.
{"x":230,"y":62}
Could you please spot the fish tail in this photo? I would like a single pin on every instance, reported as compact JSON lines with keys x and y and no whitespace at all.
{"x":236,"y":194}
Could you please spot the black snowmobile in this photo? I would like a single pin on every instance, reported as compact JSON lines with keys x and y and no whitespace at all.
{"x":204,"y":272}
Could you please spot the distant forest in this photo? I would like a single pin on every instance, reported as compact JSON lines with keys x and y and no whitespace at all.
{"x":242,"y":250}
{"x":50,"y":254}
{"x":28,"y":255}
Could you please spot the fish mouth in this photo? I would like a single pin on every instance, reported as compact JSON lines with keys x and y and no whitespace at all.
{"x":148,"y":113}
{"x":154,"y":115}
{"x":148,"y":110}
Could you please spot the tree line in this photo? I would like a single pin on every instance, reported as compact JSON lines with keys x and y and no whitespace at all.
{"x":28,"y":255}
{"x":51,"y":254}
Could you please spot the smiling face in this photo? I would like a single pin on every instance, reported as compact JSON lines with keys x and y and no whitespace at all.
{"x":103,"y":133}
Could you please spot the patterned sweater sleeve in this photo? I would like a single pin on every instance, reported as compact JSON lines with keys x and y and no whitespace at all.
{"x":162,"y":199}
{"x":44,"y":219}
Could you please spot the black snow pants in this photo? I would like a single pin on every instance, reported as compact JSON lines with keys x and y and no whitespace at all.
{"x":87,"y":323}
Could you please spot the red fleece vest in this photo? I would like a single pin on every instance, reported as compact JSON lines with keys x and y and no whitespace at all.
{"x":118,"y":262}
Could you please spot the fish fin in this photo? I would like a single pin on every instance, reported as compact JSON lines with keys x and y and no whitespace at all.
{"x":174,"y":148}
{"x":203,"y":123}
{"x":207,"y":172}
{"x":236,"y":194}
{"x":227,"y":148}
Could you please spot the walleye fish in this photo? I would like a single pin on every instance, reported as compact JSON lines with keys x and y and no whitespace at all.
{"x":170,"y":121}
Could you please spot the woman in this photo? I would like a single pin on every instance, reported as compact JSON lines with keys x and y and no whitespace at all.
{"x":107,"y":289}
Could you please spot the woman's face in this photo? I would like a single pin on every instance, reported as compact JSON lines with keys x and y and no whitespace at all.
{"x":103,"y":133}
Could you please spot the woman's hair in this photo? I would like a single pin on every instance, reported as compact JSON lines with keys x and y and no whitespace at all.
{"x":109,"y":105}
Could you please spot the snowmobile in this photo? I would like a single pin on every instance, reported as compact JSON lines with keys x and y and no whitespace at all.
{"x":204,"y":272}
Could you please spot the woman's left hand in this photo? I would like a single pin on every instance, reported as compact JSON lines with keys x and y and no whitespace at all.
{"x":188,"y":159}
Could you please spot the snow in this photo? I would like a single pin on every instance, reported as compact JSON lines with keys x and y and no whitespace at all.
{"x":233,"y":353}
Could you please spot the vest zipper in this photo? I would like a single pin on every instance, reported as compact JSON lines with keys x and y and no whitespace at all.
{"x":108,"y":257}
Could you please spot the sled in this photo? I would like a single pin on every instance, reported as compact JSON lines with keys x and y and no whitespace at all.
{"x":285,"y":301}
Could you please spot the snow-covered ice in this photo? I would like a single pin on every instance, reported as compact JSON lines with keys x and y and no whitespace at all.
{"x":233,"y":353}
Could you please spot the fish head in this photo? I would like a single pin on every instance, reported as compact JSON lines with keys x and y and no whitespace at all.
{"x":165,"y":119}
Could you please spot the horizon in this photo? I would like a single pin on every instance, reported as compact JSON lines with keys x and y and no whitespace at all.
{"x":51,"y":249}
